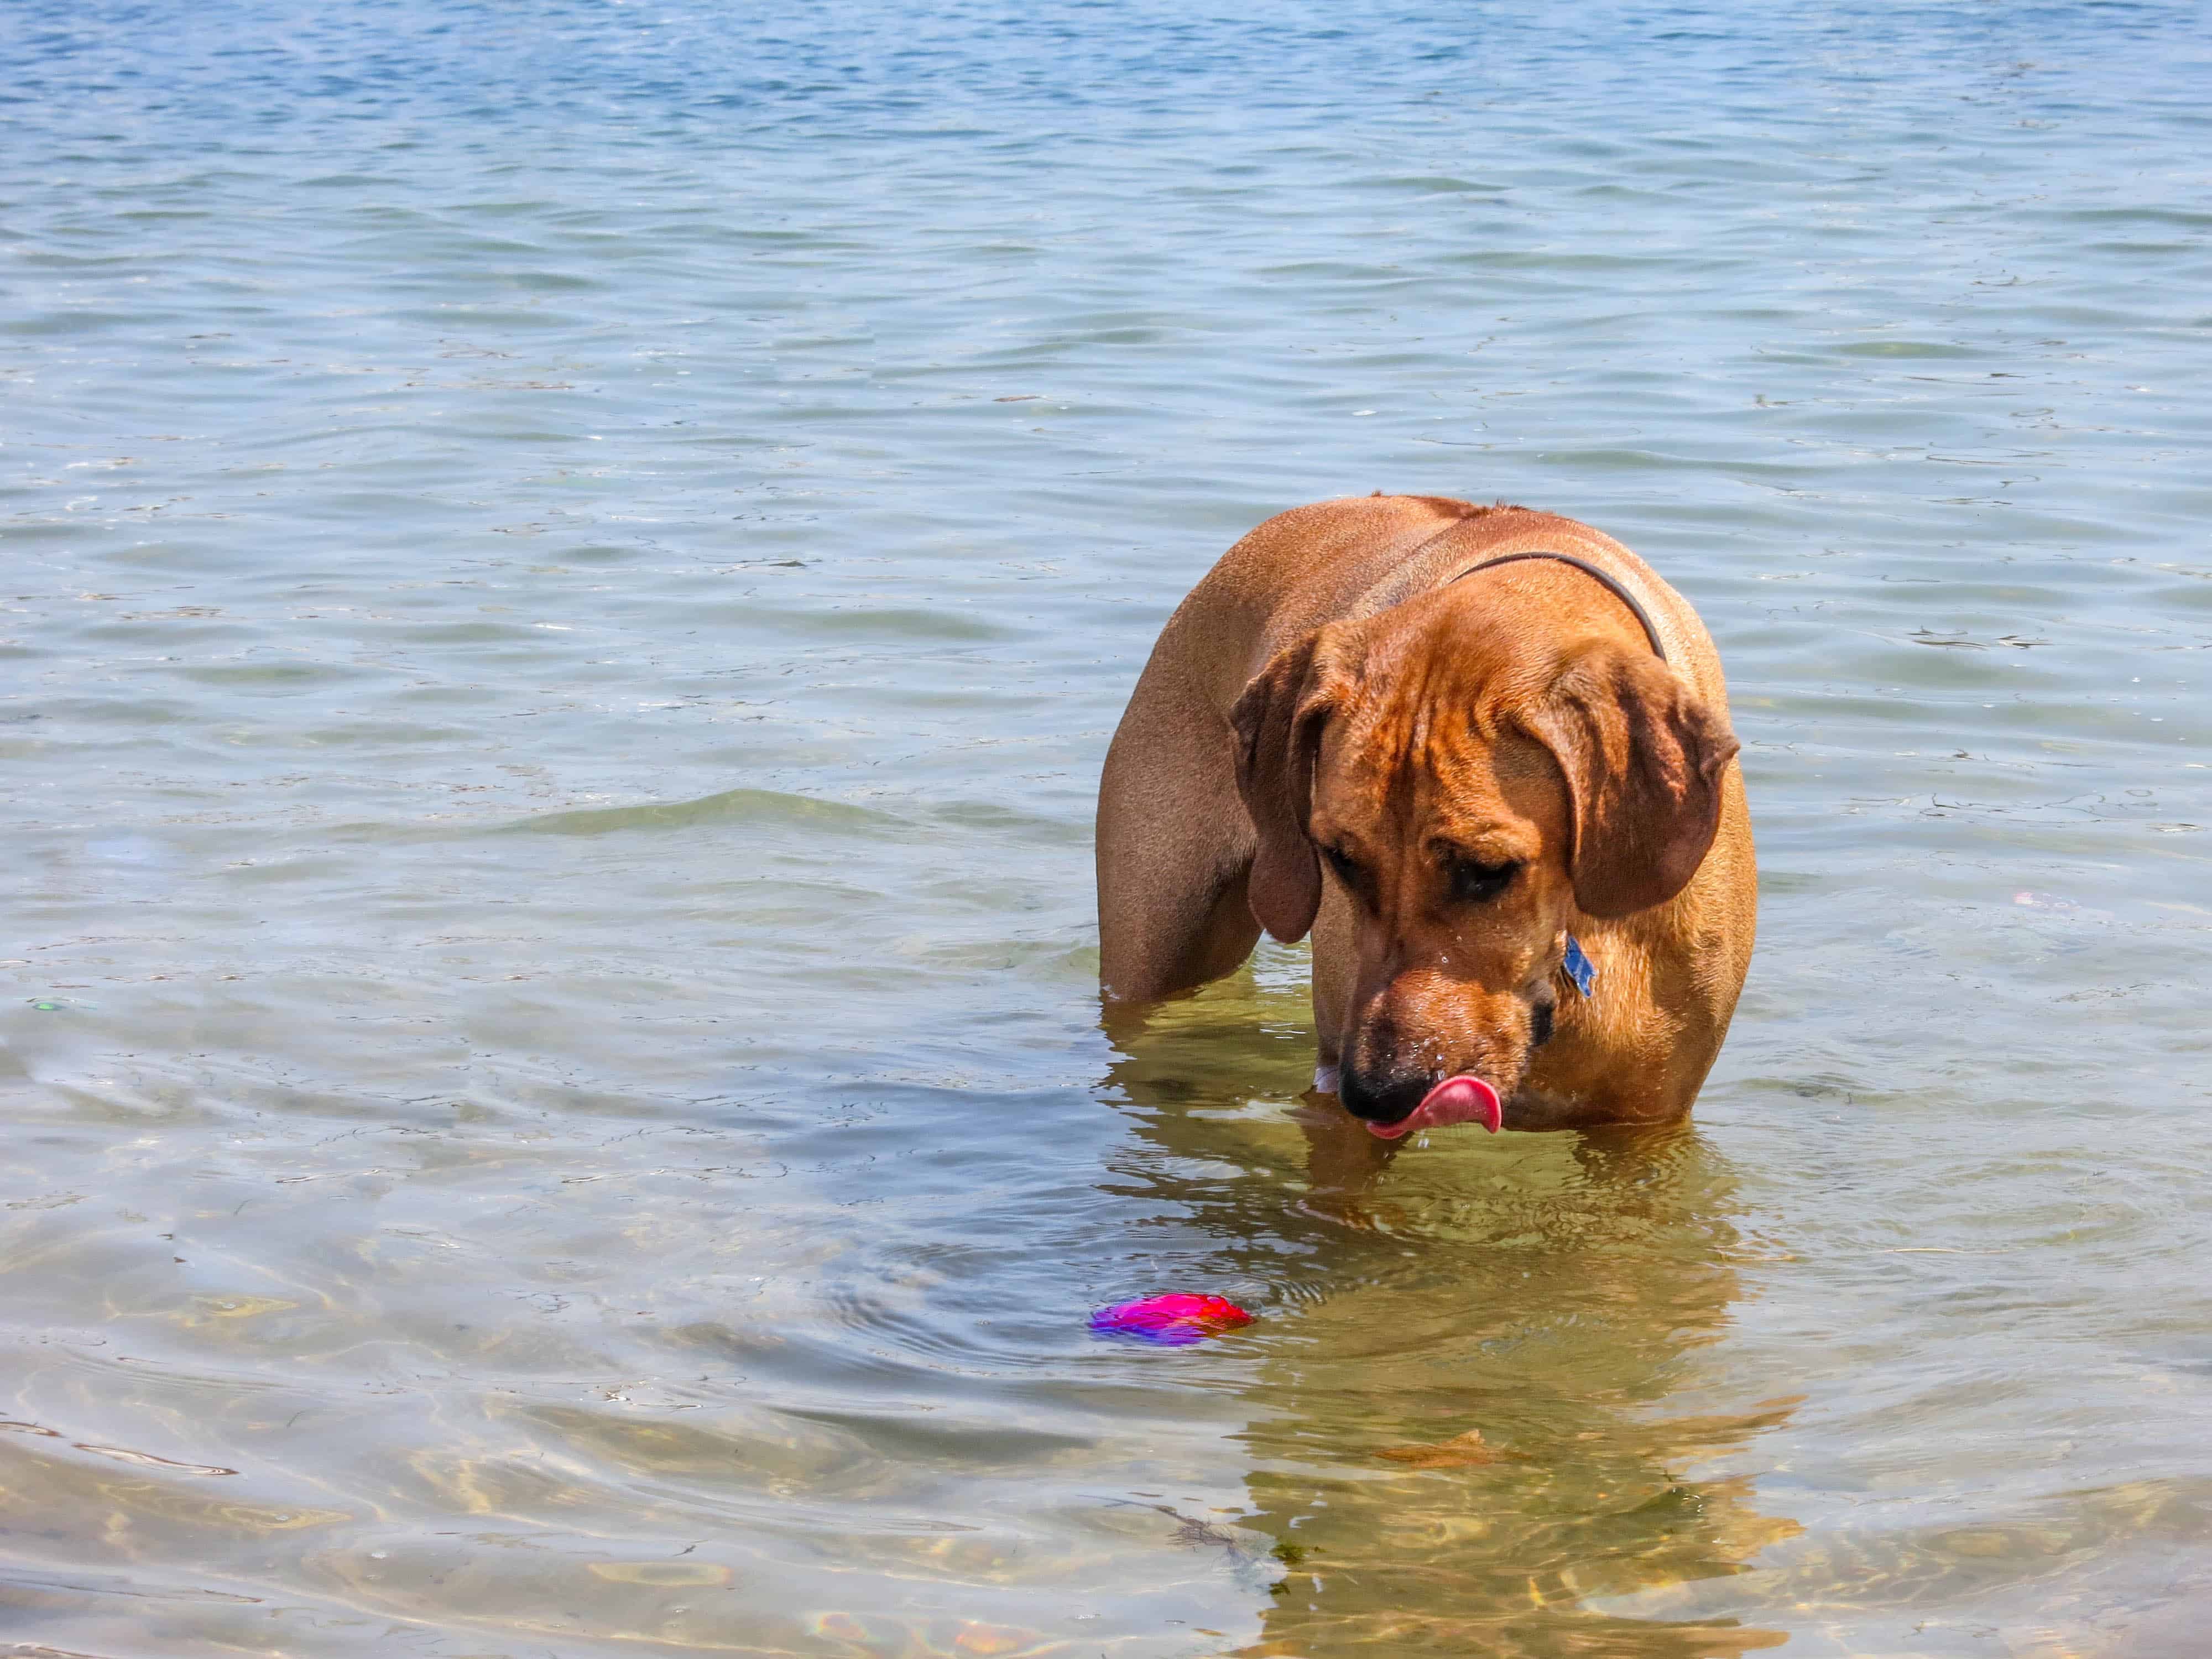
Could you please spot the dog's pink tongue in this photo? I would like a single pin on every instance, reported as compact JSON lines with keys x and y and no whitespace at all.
{"x":1460,"y":1099}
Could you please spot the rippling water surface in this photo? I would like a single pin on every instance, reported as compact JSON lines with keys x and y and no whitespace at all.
{"x":567,"y":570}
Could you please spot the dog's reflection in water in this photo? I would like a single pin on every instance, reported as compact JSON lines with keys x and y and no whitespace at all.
{"x":1461,"y":1430}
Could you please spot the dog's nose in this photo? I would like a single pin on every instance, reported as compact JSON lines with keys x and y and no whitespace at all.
{"x":1382,"y":1099}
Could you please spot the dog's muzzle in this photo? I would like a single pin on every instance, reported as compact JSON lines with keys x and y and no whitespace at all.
{"x":1404,"y":1104}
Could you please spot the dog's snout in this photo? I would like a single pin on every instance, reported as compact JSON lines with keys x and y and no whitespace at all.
{"x":1381,"y":1097}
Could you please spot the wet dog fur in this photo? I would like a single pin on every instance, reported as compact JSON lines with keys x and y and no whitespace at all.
{"x":1442,"y":780}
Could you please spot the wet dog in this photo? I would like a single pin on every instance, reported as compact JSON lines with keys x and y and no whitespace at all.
{"x":1483,"y":754}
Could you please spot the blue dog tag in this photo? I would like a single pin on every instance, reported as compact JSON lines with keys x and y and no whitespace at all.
{"x":1579,"y":967}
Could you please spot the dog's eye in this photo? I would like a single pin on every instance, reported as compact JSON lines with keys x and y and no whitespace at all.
{"x":1473,"y":882}
{"x":1341,"y":862}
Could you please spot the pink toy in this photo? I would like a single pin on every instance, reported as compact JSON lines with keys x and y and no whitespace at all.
{"x":1173,"y":1320}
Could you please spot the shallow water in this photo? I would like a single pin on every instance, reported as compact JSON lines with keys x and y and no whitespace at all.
{"x":569,"y":570}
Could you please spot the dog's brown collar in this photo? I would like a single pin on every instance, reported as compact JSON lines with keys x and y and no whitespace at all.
{"x":1618,"y":591}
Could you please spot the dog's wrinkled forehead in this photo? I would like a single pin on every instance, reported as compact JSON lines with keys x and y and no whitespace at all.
{"x":1430,"y":697}
{"x":1427,"y":745}
{"x":1456,"y":653}
{"x":1428,"y":760}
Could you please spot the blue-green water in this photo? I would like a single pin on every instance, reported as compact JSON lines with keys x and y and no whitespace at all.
{"x":567,"y":569}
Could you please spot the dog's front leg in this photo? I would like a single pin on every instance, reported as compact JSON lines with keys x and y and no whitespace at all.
{"x":1332,"y":967}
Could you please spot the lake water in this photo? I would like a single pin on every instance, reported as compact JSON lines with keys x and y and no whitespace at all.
{"x":568,"y":571}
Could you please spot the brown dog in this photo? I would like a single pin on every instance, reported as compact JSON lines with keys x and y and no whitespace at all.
{"x":1510,"y":766}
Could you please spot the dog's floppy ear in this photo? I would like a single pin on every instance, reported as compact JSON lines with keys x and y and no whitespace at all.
{"x":1278,"y":722}
{"x":1644,"y":757}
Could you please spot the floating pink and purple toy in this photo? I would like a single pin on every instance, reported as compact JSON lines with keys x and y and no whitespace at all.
{"x":1174,"y":1321}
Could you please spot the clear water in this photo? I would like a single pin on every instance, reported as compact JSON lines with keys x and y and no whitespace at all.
{"x":567,"y":569}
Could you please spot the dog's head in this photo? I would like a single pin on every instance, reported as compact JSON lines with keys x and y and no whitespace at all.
{"x":1474,"y":778}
